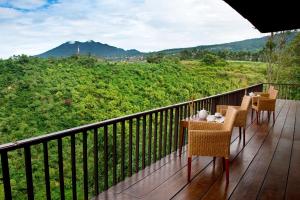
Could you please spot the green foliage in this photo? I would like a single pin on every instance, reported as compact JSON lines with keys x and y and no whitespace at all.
{"x":155,"y":58}
{"x":39,"y":96}
{"x":210,"y":59}
{"x":283,"y":58}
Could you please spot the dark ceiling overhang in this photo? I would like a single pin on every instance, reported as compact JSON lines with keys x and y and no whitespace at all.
{"x":269,"y":15}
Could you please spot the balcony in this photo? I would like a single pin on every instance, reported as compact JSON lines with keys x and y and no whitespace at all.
{"x":136,"y":157}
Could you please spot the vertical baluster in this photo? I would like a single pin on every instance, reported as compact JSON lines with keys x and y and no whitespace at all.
{"x":144,"y":142}
{"x":6,"y":176}
{"x":46,"y":170}
{"x":28,"y":169}
{"x":137,"y":144}
{"x":96,"y":160}
{"x":176,"y":128}
{"x":115,"y":156}
{"x":213,"y":105}
{"x":105,"y":158}
{"x":61,"y":169}
{"x":73,"y":164}
{"x":160,"y":134}
{"x":155,"y":136}
{"x":170,"y":130}
{"x":130,"y":149}
{"x":149,"y":138}
{"x":85,"y":167}
{"x":165,"y":132}
{"x":122,"y":150}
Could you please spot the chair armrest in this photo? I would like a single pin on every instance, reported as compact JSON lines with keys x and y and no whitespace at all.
{"x":236,"y":107}
{"x":266,"y":101}
{"x":210,"y":133}
{"x":199,"y":125}
{"x":263,"y":94}
{"x":255,"y":99}
{"x":222,"y":109}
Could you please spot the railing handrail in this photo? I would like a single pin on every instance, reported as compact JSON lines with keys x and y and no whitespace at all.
{"x":67,"y":132}
{"x":294,"y":84}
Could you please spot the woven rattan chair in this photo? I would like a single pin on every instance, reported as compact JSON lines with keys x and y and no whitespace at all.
{"x":241,"y":117}
{"x":262,"y":94}
{"x":211,"y":139}
{"x":265,"y":104}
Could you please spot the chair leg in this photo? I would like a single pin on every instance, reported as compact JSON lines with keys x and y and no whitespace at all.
{"x":214,"y":160}
{"x":181,"y":138}
{"x":227,"y":170}
{"x":189,"y":168}
{"x":268,"y":116}
{"x":240,"y":132}
{"x":251,"y":115}
{"x":257,"y":117}
{"x":223,"y":162}
{"x":273,"y":117}
{"x":244,"y":136}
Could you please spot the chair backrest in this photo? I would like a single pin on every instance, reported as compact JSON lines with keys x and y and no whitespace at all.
{"x":230,"y":118}
{"x":270,"y":89}
{"x":246,"y":102}
{"x":192,"y":107}
{"x":273,"y":94}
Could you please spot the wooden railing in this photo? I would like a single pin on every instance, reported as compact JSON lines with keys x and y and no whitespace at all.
{"x":102,"y":154}
{"x":286,"y":91}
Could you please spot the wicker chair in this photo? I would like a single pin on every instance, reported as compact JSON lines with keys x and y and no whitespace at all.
{"x":211,"y":139}
{"x":262,"y":94}
{"x":241,"y":117}
{"x":265,"y":104}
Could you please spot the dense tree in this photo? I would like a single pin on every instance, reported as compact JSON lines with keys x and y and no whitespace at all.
{"x":38,"y":96}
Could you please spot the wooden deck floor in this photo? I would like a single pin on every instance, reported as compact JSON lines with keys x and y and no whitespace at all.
{"x":268,"y":167}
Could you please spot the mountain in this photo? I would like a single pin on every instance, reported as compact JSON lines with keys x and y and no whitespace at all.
{"x":253,"y":45}
{"x":104,"y":50}
{"x":89,"y":48}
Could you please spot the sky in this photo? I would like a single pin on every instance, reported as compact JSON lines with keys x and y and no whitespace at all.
{"x":34,"y":26}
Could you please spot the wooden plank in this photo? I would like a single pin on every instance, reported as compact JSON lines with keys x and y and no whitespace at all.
{"x":138,"y":182}
{"x":276,"y":178}
{"x":112,"y":196}
{"x":238,"y":167}
{"x":172,"y":176}
{"x":129,"y":181}
{"x":250,"y":183}
{"x":293,"y":184}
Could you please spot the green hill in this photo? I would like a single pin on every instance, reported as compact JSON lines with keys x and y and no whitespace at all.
{"x":88,"y":48}
{"x":252,"y":45}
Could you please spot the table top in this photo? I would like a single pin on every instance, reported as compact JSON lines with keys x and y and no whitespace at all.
{"x":212,"y":118}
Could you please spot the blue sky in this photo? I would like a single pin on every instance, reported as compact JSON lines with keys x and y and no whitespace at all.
{"x":34,"y":26}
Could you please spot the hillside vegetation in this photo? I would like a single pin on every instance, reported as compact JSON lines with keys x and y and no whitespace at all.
{"x":44,"y":95}
{"x":38,"y":96}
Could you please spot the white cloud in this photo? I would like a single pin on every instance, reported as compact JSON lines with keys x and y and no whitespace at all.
{"x":25,"y":4}
{"x":8,"y":13}
{"x":145,"y":25}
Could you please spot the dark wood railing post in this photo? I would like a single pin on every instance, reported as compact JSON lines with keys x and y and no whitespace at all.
{"x":28,"y":170}
{"x":46,"y":170}
{"x":6,"y":176}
